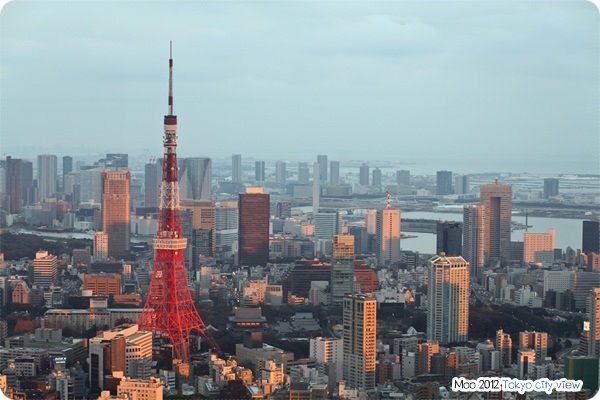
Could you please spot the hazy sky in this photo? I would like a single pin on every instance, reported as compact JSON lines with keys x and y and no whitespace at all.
{"x":501,"y":84}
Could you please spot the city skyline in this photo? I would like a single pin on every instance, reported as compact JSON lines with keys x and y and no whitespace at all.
{"x":486,"y":71}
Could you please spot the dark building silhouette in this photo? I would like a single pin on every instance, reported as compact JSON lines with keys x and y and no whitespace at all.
{"x":449,"y":238}
{"x":591,"y":237}
{"x":254,"y":213}
{"x":444,"y":183}
{"x":14,"y":188}
{"x":550,"y":187}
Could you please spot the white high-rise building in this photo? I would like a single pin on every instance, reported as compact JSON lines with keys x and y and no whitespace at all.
{"x":448,"y":299}
{"x":100,"y":246}
{"x":329,"y":351}
{"x":360,"y":340}
{"x":195,"y":178}
{"x":539,"y":247}
{"x":45,"y":269}
{"x":327,"y":224}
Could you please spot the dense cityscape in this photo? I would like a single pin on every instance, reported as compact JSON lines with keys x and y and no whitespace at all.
{"x":350,"y":220}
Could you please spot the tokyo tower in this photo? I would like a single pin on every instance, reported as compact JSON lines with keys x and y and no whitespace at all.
{"x":169,"y":307}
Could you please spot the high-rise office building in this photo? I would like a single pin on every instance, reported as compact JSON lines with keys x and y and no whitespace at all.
{"x":202,"y":219}
{"x":254,"y":214}
{"x":448,"y":299}
{"x":594,"y":345}
{"x":283,"y":209}
{"x":334,"y":172}
{"x":550,"y":187}
{"x":152,"y":179}
{"x":303,"y":173}
{"x":360,"y":337}
{"x":115,"y":211}
{"x":259,"y":171}
{"x":504,"y":346}
{"x":226,"y":220}
{"x":474,"y":237}
{"x":363,"y":178}
{"x":461,"y":184}
{"x":444,"y":183}
{"x":497,"y":200}
{"x":388,"y":236}
{"x":195,"y":178}
{"x":537,"y":341}
{"x":403,"y":177}
{"x":591,"y":237}
{"x":449,"y":238}
{"x":67,"y":166}
{"x":371,"y":221}
{"x":342,"y":268}
{"x":328,"y":351}
{"x":45,"y":269}
{"x":29,"y":191}
{"x":46,"y":176}
{"x":280,"y":173}
{"x":100,"y":246}
{"x":316,"y":192}
{"x":13,"y":185}
{"x":322,"y":160}
{"x":236,"y":168}
{"x":327,"y":223}
{"x":539,"y":247}
{"x":377,"y":177}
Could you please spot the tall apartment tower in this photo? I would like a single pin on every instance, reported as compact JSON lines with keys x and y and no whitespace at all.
{"x":376,"y":177}
{"x":497,"y":200}
{"x":342,"y":269}
{"x":594,"y":345}
{"x":550,"y":187}
{"x":388,"y":236}
{"x":363,"y":178}
{"x":236,"y":168}
{"x":537,"y":341}
{"x":152,"y":179}
{"x":443,"y":183}
{"x":280,"y":173}
{"x":46,"y":176}
{"x":67,"y":166}
{"x":322,"y":160}
{"x":539,"y":247}
{"x":195,"y":178}
{"x":303,"y":173}
{"x":403,"y":177}
{"x":334,"y":172}
{"x":504,"y":346}
{"x":448,"y":299}
{"x":461,"y":184}
{"x":13,"y":185}
{"x":316,"y":194}
{"x":259,"y":171}
{"x":474,"y":237}
{"x":360,"y":337}
{"x":253,"y":235}
{"x":449,"y":238}
{"x":45,"y":269}
{"x":116,"y":197}
{"x":100,"y":246}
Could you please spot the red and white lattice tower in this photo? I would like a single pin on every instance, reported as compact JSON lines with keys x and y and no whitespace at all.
{"x":169,"y":307}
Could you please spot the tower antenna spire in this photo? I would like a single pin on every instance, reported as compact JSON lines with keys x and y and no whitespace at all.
{"x":170,"y":77}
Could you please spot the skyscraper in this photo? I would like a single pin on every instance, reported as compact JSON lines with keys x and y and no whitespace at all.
{"x":334,"y":172}
{"x":342,"y":268}
{"x":29,"y":192}
{"x":594,"y":346}
{"x":449,"y":238}
{"x":45,"y":269}
{"x":236,"y":168}
{"x":195,"y":178}
{"x":67,"y":166}
{"x":360,"y":337}
{"x":327,"y":223}
{"x":152,"y":178}
{"x":316,"y":194}
{"x":388,"y":236}
{"x":448,"y":299}
{"x":497,"y":200}
{"x":550,"y":187}
{"x":100,"y":246}
{"x":377,"y":177}
{"x":539,"y":247}
{"x":403,"y":177}
{"x":444,"y":183}
{"x":254,"y":214}
{"x":280,"y":173}
{"x":303,"y":173}
{"x":322,"y":160}
{"x":203,"y":219}
{"x":46,"y":176}
{"x":474,"y":237}
{"x":13,"y":182}
{"x":259,"y":171}
{"x":504,"y":346}
{"x":461,"y":184}
{"x":591,"y":237}
{"x":364,"y":175}
{"x":115,"y":211}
